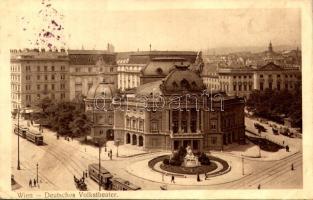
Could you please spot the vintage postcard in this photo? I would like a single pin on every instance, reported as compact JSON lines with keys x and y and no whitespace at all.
{"x":156,"y":99}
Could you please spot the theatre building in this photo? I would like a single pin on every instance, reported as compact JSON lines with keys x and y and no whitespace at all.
{"x":176,"y":111}
{"x":166,"y":113}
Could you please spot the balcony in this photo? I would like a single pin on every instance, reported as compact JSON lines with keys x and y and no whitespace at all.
{"x":181,"y":135}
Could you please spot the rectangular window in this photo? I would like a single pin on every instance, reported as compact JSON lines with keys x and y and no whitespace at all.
{"x":213,"y":124}
{"x":52,"y":77}
{"x":62,"y":76}
{"x":38,"y":87}
{"x":278,"y":75}
{"x":38,"y":68}
{"x":261,"y":86}
{"x":38,"y":77}
{"x":244,"y":76}
{"x":261,"y":75}
{"x":270,"y":85}
{"x":62,"y":86}
{"x":286,"y":86}
{"x":239,"y":88}
{"x":235,"y":87}
{"x":52,"y":96}
{"x":111,"y":69}
{"x":62,"y":68}
{"x":278,"y":86}
{"x":52,"y":87}
{"x":245,"y":87}
{"x":250,"y":87}
{"x":46,"y":87}
{"x":62,"y":96}
{"x":52,"y":68}
{"x":154,"y":126}
{"x":214,"y":140}
{"x":46,"y":68}
{"x":89,"y":85}
{"x":46,"y":77}
{"x":28,"y":77}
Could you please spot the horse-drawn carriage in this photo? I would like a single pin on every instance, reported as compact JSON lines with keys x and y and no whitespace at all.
{"x":80,"y":184}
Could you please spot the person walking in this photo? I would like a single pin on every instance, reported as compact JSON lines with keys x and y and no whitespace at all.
{"x":30,"y":183}
{"x":173,"y":179}
{"x":292,"y":168}
{"x":198,"y":177}
{"x":34,"y":182}
{"x":259,"y":186}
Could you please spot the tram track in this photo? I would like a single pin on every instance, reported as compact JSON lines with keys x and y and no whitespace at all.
{"x":259,"y":176}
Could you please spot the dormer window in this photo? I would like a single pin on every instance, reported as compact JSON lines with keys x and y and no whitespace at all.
{"x":175,"y":84}
{"x":184,"y":84}
{"x":159,"y":71}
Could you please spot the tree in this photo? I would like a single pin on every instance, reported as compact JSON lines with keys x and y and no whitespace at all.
{"x":80,"y":126}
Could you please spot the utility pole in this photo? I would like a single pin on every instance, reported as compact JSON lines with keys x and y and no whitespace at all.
{"x":100,"y":179}
{"x":18,"y":139}
{"x":37,"y":173}
{"x":243,"y":169}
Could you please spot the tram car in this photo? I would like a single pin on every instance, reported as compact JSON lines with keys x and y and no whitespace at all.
{"x":21,"y":130}
{"x":35,"y":137}
{"x":105,"y":178}
{"x":121,"y":184}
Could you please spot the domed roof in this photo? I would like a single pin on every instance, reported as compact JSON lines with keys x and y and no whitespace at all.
{"x":183,"y":79}
{"x":105,"y":90}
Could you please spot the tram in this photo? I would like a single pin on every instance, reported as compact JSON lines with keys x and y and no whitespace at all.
{"x":35,"y":137}
{"x":21,"y":130}
{"x":105,"y":177}
{"x":121,"y":184}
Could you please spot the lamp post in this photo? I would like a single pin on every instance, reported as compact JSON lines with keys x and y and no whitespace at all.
{"x":101,"y":141}
{"x":243,"y":167}
{"x":37,"y":174}
{"x":18,"y":139}
{"x":117,"y":144}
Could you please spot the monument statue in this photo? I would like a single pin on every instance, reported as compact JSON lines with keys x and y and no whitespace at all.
{"x":190,"y":160}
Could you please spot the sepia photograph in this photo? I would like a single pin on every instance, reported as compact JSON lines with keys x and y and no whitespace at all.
{"x":101,"y":98}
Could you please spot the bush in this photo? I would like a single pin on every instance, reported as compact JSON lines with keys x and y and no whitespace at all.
{"x":204,"y":159}
{"x":166,"y":161}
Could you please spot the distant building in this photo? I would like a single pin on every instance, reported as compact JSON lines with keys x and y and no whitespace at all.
{"x":240,"y":74}
{"x":86,"y":66}
{"x":242,"y":81}
{"x":37,"y":74}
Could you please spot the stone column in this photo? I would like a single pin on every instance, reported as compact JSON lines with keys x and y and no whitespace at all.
{"x":198,"y":121}
{"x":179,"y":121}
{"x":170,"y":120}
{"x":188,"y":121}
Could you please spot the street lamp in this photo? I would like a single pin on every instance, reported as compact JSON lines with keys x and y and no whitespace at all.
{"x":117,"y":144}
{"x":101,"y":141}
{"x":37,"y":174}
{"x":18,"y":139}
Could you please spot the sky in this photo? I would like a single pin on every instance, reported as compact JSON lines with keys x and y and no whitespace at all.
{"x":135,"y":24}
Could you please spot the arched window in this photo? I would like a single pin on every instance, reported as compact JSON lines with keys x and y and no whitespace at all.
{"x":184,"y":84}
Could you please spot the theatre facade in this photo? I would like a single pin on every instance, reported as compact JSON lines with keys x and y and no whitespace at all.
{"x":176,"y":110}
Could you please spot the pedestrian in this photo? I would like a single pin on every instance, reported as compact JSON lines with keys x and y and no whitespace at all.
{"x":198,"y":177}
{"x":206,"y":176}
{"x":173,"y":179}
{"x":83,"y":174}
{"x":283,"y":142}
{"x":292,"y":168}
{"x":30,"y":183}
{"x":34,"y":182}
{"x":259,"y":186}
